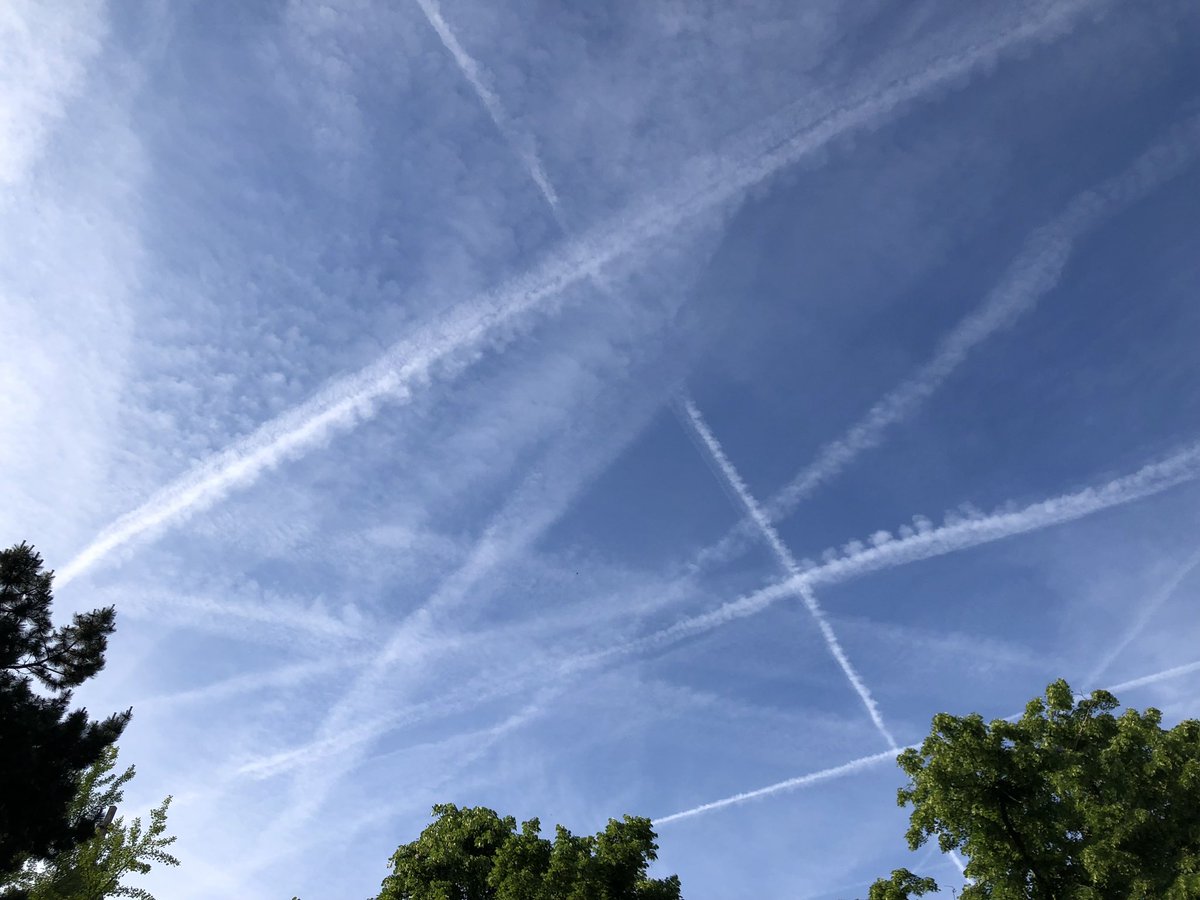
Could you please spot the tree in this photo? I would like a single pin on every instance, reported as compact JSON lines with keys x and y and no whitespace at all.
{"x":1069,"y":802}
{"x":44,"y":747}
{"x":474,"y":854}
{"x":96,"y":868}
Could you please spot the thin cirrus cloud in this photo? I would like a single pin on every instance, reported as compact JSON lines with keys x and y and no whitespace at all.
{"x":443,"y":348}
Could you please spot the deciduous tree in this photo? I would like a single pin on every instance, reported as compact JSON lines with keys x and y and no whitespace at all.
{"x":1070,"y":802}
{"x":97,"y":868}
{"x":474,"y":854}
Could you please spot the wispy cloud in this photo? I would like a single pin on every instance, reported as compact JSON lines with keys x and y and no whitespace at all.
{"x":444,"y":348}
{"x":243,"y":612}
{"x":864,"y":763}
{"x":1034,"y":272}
{"x":728,"y":475}
{"x":46,"y":54}
{"x":1145,"y":612}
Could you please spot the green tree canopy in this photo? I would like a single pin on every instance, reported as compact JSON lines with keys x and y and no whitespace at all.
{"x":1069,"y":802}
{"x":44,"y":746}
{"x":474,"y":854}
{"x":96,"y":868}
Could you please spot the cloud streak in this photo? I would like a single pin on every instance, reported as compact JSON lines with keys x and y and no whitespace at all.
{"x":445,"y":347}
{"x":728,"y":475}
{"x":864,"y":763}
{"x":1145,"y":614}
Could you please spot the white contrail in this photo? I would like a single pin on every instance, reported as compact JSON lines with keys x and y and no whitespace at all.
{"x":1146,"y":482}
{"x":728,"y":474}
{"x":1034,"y":272}
{"x":855,"y":765}
{"x":1145,"y":613}
{"x":863,"y":763}
{"x":452,"y":343}
{"x":472,"y":71}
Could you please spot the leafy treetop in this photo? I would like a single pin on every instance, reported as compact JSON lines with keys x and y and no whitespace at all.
{"x":1069,"y":802}
{"x":473,"y":854}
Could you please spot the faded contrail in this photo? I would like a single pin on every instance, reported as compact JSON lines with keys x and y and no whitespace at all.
{"x":449,"y":345}
{"x":863,"y":763}
{"x":1147,"y":611}
{"x":728,"y":474}
{"x":926,"y":544}
{"x":1035,"y":271}
{"x":571,"y":462}
{"x":472,"y":71}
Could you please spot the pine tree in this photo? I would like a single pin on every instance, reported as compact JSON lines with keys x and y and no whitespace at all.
{"x":45,"y":747}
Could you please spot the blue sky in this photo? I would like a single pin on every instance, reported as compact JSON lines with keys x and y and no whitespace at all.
{"x":587,"y":409}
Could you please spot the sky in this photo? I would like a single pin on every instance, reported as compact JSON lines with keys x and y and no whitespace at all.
{"x":582,"y":409}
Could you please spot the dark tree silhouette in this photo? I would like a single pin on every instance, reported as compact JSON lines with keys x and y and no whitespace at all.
{"x":45,"y":747}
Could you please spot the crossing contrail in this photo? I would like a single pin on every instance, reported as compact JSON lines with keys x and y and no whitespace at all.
{"x":728,"y":474}
{"x":445,"y":347}
{"x":1147,"y":481}
{"x":1034,"y":272}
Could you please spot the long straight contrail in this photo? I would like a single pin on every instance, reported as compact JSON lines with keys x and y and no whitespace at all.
{"x":1145,"y":613}
{"x":1146,"y":482}
{"x":1034,"y":272}
{"x":728,"y":473}
{"x":863,"y":763}
{"x":473,"y":72}
{"x":450,"y":344}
